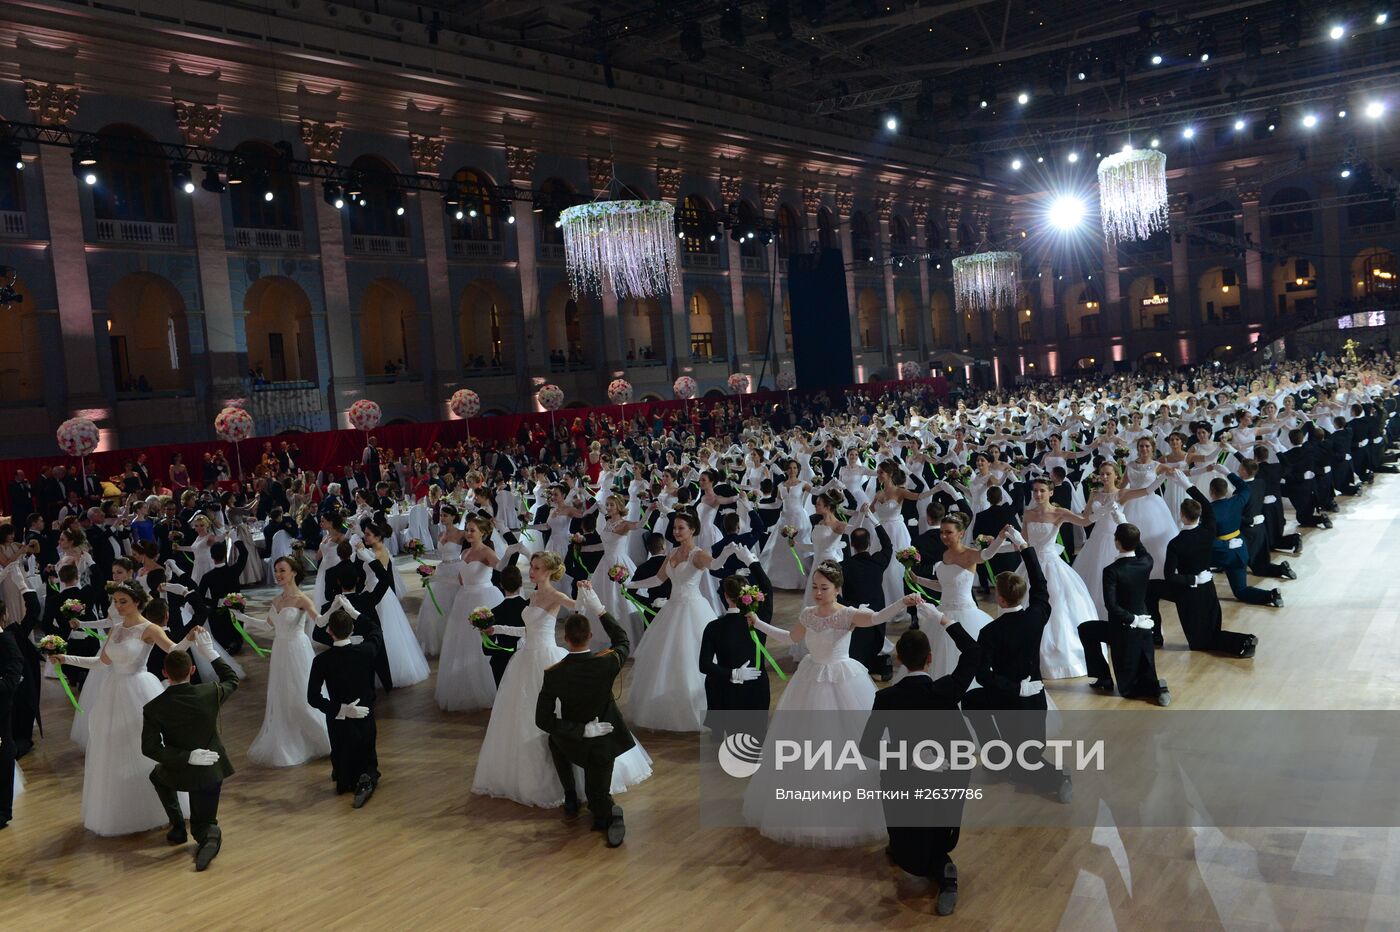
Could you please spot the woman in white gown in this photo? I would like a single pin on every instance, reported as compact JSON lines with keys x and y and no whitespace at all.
{"x":1105,"y":512}
{"x":434,"y":609}
{"x":118,"y":798}
{"x":1150,"y":513}
{"x":1061,"y":653}
{"x":783,"y":571}
{"x":827,"y":680}
{"x":560,"y":523}
{"x":292,"y":731}
{"x":464,"y":679}
{"x":826,"y":538}
{"x":407,"y":665}
{"x":953,"y":577}
{"x":614,"y":533}
{"x":333,"y":530}
{"x":514,"y":761}
{"x":668,"y":691}
{"x":889,"y":511}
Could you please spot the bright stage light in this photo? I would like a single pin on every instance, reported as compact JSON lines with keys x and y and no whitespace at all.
{"x":1310,"y":120}
{"x":1066,"y":212}
{"x":892,"y":123}
{"x":1023,"y":98}
{"x":1155,"y":142}
{"x":1336,"y":32}
{"x":1073,"y":157}
{"x":1156,"y":59}
{"x":1375,"y":109}
{"x":1189,"y":133}
{"x":1239,"y":125}
{"x":1382,"y":18}
{"x":1015,"y":165}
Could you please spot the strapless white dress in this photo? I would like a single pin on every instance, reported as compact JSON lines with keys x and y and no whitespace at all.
{"x":668,"y":691}
{"x":432,"y":611}
{"x":464,"y":680}
{"x":292,"y":731}
{"x":956,"y":601}
{"x":1061,"y":653}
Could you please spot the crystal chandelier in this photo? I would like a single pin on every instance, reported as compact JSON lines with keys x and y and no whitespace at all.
{"x":1133,"y":194}
{"x":985,"y":281}
{"x":629,"y":245}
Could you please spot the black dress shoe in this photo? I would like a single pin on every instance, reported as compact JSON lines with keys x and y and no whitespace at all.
{"x":616,"y":829}
{"x":1275,"y":598}
{"x":1103,"y":684}
{"x":177,"y":835}
{"x":208,"y":849}
{"x":363,"y":792}
{"x":1288,"y":571}
{"x":1157,"y":640}
{"x":1247,"y":651}
{"x":571,"y":807}
{"x":1164,"y":695}
{"x":947,"y":891}
{"x":1064,"y":793}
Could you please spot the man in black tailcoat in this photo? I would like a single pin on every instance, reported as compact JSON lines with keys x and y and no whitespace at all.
{"x":346,"y":673}
{"x":509,"y":612}
{"x":1128,"y":629}
{"x":736,"y":674}
{"x":864,"y":575}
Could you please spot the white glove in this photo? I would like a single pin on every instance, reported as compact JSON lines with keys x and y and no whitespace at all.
{"x":204,"y":643}
{"x":1142,"y":622}
{"x":364,"y":555}
{"x":744,"y":554}
{"x":1118,"y":514}
{"x":744,"y":674}
{"x":927,"y":611}
{"x":1203,"y":577}
{"x":175,"y":589}
{"x":202,"y":757}
{"x":1309,"y":474}
{"x":596,"y":729}
{"x":1030,"y":687}
{"x":1014,"y":536}
{"x":353,"y":710}
{"x":588,"y":604}
{"x":342,"y":603}
{"x":171,"y":570}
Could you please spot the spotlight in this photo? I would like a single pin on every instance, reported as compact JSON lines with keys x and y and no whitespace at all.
{"x":1015,"y":165}
{"x":1066,"y":212}
{"x":1336,"y":32}
{"x":1081,"y":76}
{"x":459,"y":215}
{"x":713,"y":237}
{"x":1341,"y":113}
{"x":1382,"y":18}
{"x":180,"y":174}
{"x":1309,"y":120}
{"x":1154,"y":143}
{"x":1156,"y":59}
{"x":983,"y":103}
{"x":85,"y":153}
{"x":269,"y":196}
{"x":1040,"y":160}
{"x":211,"y":182}
{"x":1346,"y":170}
{"x":330,"y":193}
{"x":1188,"y":133}
{"x":1239,"y":125}
{"x":892,"y":123}
{"x":1205,"y":57}
{"x":90,"y":178}
{"x":1023,"y":98}
{"x":1375,"y":109}
{"x":1072,"y":157}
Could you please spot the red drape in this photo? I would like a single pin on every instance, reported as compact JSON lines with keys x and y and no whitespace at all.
{"x":335,"y":449}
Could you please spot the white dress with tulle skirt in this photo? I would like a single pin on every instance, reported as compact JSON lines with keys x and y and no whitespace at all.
{"x":464,"y":679}
{"x":668,"y":690}
{"x":1099,"y":551}
{"x":292,"y":731}
{"x":1061,"y":653}
{"x":407,"y":665}
{"x":957,"y":603}
{"x":514,"y":761}
{"x":615,"y":553}
{"x":1151,"y":514}
{"x":433,"y":611}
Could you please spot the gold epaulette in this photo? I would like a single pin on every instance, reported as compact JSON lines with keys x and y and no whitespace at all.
{"x":604,"y":653}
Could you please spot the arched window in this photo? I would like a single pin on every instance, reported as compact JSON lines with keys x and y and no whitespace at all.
{"x":871,"y":313}
{"x":1376,"y":275}
{"x":1290,"y":214}
{"x":790,"y":235}
{"x":699,"y":225}
{"x":1219,"y":291}
{"x":568,"y":325}
{"x":907,"y":318}
{"x":862,"y":240}
{"x":554,"y":195}
{"x":826,"y":232}
{"x":380,"y":210}
{"x":1379,"y":207}
{"x":644,"y":329}
{"x":933,"y":236}
{"x":258,"y":170}
{"x":148,"y":335}
{"x":388,"y":330}
{"x":484,"y":323}
{"x":281,"y":342}
{"x":900,"y":241}
{"x":480,"y":221}
{"x":133,"y":178}
{"x":749,"y":247}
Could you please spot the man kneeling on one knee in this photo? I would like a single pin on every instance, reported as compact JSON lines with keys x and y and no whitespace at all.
{"x":1128,"y":630}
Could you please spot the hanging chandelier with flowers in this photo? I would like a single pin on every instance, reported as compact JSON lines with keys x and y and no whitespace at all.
{"x":1133,"y":194}
{"x":985,"y":281}
{"x":629,"y":246}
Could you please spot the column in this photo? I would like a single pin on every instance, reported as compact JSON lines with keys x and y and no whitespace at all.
{"x":921,"y":244}
{"x":347,"y":385}
{"x":952,"y":216}
{"x":1334,"y":284}
{"x":736,"y":327}
{"x":891,"y":328}
{"x":67,"y":248}
{"x":1258,"y":304}
{"x":1116,"y":319}
{"x":775,"y":322}
{"x":446,"y":366}
{"x":1185,"y":315}
{"x":845,"y":201}
{"x":533,"y":353}
{"x":668,"y":182}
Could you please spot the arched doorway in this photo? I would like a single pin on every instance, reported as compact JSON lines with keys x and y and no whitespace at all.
{"x":1149,"y":304}
{"x":1153,"y":361}
{"x":21,"y":353}
{"x":1375,"y":276}
{"x":706,"y":318}
{"x":941,"y":314}
{"x":869,"y":319}
{"x":1221,"y":352}
{"x":148,"y":335}
{"x":1218,"y":292}
{"x":1295,"y":288}
{"x":1082,"y":306}
{"x":486,"y":328}
{"x":278,"y":331}
{"x":570,"y":326}
{"x":643,"y":330}
{"x":389,"y":330}
{"x":756,"y":320}
{"x":906,"y":306}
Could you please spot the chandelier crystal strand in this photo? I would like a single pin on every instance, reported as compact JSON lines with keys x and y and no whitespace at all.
{"x":1133,"y":194}
{"x":985,"y":281}
{"x":630,"y":245}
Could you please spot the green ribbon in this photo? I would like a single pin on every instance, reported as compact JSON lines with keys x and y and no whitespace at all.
{"x":428,"y":584}
{"x":492,"y":645}
{"x":68,"y":690}
{"x":909,"y":578}
{"x":646,"y":613}
{"x":578,"y":559}
{"x":1060,"y":539}
{"x":243,"y":633}
{"x":800,"y":568}
{"x":1224,"y":455}
{"x":92,"y":633}
{"x":760,"y":654}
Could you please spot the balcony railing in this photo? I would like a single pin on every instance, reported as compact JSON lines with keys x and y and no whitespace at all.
{"x":577,"y":364}
{"x":753,"y":263}
{"x":388,"y":378}
{"x":13,"y":223}
{"x":272,"y":240}
{"x":552,"y":252}
{"x":141,"y":232}
{"x":487,"y":370}
{"x":645,"y":363}
{"x":475,"y":249}
{"x":379,"y":245}
{"x":700,"y":260}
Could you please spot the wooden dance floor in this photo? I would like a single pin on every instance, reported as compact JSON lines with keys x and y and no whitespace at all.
{"x":427,"y":854}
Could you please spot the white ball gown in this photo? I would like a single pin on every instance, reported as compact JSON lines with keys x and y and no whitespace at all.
{"x":827,"y":680}
{"x":464,"y":680}
{"x":118,"y":798}
{"x":891,"y":517}
{"x":1061,"y":653}
{"x":1151,"y":514}
{"x":668,"y":691}
{"x":956,"y":601}
{"x":1098,"y":552}
{"x":432,"y":613}
{"x":777,"y":559}
{"x":514,"y":762}
{"x":407,"y":665}
{"x":292,"y":731}
{"x":615,"y":552}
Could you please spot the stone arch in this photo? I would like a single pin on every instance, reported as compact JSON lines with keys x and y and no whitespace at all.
{"x":1375,"y":275}
{"x":943,"y":319}
{"x":756,"y":319}
{"x":149,"y":334}
{"x":570,"y":329}
{"x":389,"y":329}
{"x":863,"y":242}
{"x":21,"y":350}
{"x":643,"y":329}
{"x":870,"y":319}
{"x":906,"y":306}
{"x":486,"y":327}
{"x":1218,"y":293}
{"x":278,"y":330}
{"x":705,"y":316}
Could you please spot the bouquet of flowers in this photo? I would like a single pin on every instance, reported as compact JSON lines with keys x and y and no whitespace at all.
{"x":788,"y":532}
{"x":751,"y":595}
{"x":481,"y":618}
{"x":109,"y":586}
{"x":426,"y":572}
{"x":415,"y":547}
{"x":72,"y":608}
{"x":52,"y":644}
{"x":618,"y":573}
{"x":907,"y":555}
{"x":234,"y":602}
{"x":983,"y":540}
